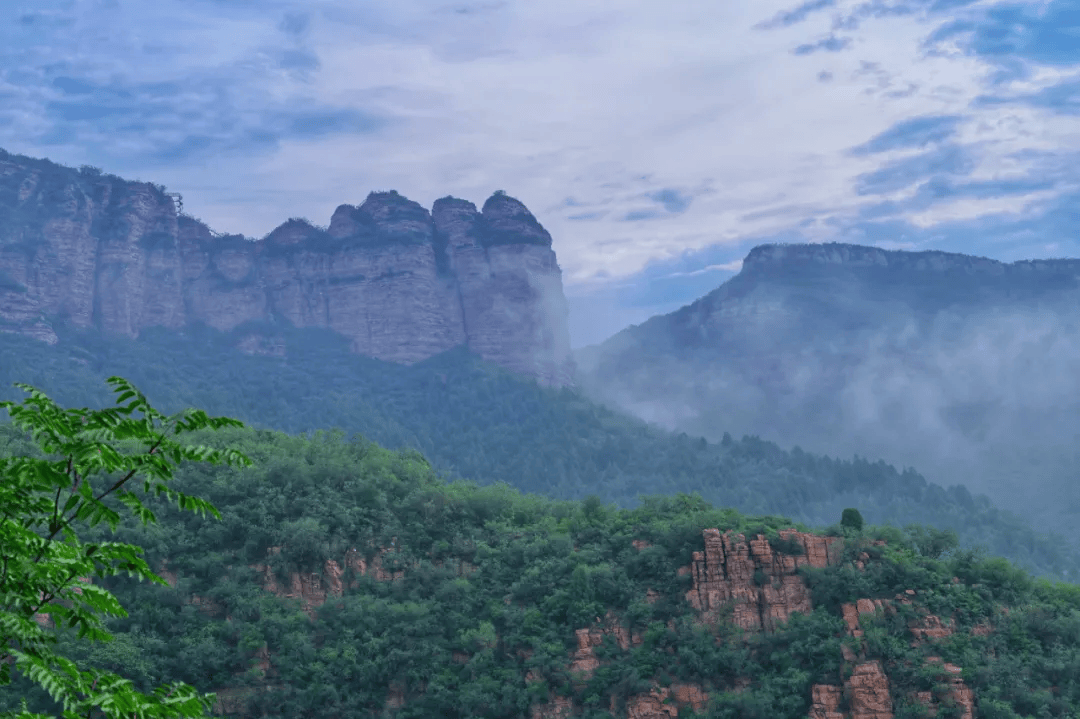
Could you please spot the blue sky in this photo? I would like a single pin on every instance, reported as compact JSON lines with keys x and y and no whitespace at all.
{"x":657,"y":142}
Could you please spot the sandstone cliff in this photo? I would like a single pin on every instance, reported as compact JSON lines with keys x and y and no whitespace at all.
{"x":401,"y":283}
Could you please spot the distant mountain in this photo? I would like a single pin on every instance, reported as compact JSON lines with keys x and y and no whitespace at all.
{"x":962,"y":367}
{"x":401,"y":283}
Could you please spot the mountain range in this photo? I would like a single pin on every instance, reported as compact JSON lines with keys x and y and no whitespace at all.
{"x":401,"y":283}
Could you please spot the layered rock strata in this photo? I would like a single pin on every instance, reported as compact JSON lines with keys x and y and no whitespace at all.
{"x":401,"y":283}
{"x":761,"y":587}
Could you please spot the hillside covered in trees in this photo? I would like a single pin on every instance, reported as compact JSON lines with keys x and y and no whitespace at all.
{"x":347,"y":580}
{"x":474,"y":421}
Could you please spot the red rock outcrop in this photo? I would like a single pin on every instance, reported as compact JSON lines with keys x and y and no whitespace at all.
{"x":825,"y":702}
{"x":958,"y":693}
{"x":931,"y":627}
{"x":400,"y":282}
{"x":584,"y":660}
{"x":665,"y":702}
{"x":761,"y":584}
{"x":868,"y":685}
{"x":729,"y":570}
{"x":312,"y":589}
{"x":867,"y":691}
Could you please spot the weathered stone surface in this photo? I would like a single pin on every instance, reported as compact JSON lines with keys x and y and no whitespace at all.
{"x":869,"y":684}
{"x":724,"y":575}
{"x":825,"y":702}
{"x":557,"y":708}
{"x":664,"y":702}
{"x":401,"y":283}
{"x":584,"y":660}
{"x":958,"y":693}
{"x":867,"y":692}
{"x":853,"y":610}
{"x":931,"y":627}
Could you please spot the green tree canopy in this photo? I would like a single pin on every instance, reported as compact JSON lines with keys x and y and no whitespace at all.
{"x":46,"y":570}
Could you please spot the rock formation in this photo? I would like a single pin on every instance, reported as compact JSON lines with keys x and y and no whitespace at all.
{"x":725,"y":575}
{"x":401,"y":283}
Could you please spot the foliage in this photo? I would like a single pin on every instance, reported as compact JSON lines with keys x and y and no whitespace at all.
{"x":48,"y":572}
{"x":852,"y":519}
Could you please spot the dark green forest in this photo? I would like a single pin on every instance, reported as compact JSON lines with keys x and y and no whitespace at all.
{"x":475,"y":421}
{"x":496,"y":581}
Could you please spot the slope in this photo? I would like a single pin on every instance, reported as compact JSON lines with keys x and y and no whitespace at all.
{"x":475,"y":421}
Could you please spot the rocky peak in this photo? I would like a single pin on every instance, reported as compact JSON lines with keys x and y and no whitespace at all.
{"x":765,"y":257}
{"x":95,"y":250}
{"x":397,"y":218}
{"x":456,"y":221}
{"x":347,"y":222}
{"x":291,"y":232}
{"x":508,"y":221}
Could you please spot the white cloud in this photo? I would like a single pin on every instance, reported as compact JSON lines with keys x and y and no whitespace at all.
{"x":568,"y":98}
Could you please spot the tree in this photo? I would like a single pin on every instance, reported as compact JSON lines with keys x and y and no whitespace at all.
{"x":46,"y":569}
{"x":852,"y":519}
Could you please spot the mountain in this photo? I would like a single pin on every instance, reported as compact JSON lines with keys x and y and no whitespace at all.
{"x":960,"y":366}
{"x":402,"y":284}
{"x":347,"y":581}
{"x":480,"y":422}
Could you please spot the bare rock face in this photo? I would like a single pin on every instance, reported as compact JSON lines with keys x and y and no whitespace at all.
{"x":401,"y":283}
{"x":825,"y":702}
{"x":868,"y":692}
{"x":509,"y":284}
{"x":762,"y":585}
{"x":867,"y":689}
{"x":584,"y":662}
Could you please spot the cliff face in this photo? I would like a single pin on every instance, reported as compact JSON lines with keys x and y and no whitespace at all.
{"x":401,"y":283}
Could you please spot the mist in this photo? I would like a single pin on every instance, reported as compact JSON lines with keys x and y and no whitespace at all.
{"x":986,"y":397}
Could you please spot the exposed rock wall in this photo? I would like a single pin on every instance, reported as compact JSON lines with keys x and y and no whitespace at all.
{"x":401,"y":283}
{"x":727,"y":574}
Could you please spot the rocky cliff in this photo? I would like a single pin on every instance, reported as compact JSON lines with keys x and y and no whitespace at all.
{"x":401,"y":283}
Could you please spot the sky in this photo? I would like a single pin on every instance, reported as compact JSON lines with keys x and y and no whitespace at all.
{"x":657,"y":142}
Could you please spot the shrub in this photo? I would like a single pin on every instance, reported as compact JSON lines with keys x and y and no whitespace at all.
{"x":851,"y":519}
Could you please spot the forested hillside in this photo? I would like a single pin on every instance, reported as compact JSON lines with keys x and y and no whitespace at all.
{"x":478,"y":422}
{"x":345,"y":580}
